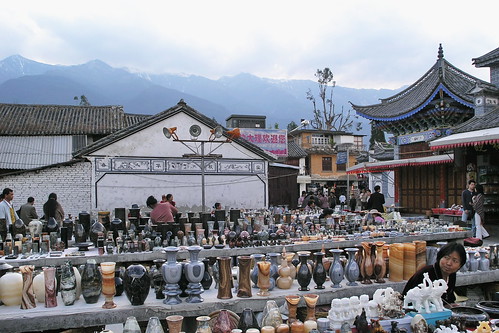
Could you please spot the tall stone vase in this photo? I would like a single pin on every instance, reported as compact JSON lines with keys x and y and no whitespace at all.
{"x":172,"y":272}
{"x":284,"y":281}
{"x":244,"y":282}
{"x":68,"y":284}
{"x":379,"y":263}
{"x":50,"y":287}
{"x":311,"y":302}
{"x":352,"y":270}
{"x":319,"y":273}
{"x":484,"y":263}
{"x":367,"y":263}
{"x":359,"y":258}
{"x":263,"y":278}
{"x":303,"y":275}
{"x":108,"y":284}
{"x":473,"y":261}
{"x":336,"y":271}
{"x":194,"y":271}
{"x":225,"y":284}
{"x":207,"y":278}
{"x":28,"y":295}
{"x":91,"y":282}
{"x":292,"y":302}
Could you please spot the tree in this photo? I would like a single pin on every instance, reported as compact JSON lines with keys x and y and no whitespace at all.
{"x":325,"y":115}
{"x":291,"y":126}
{"x":83,"y":100}
{"x":377,"y":135}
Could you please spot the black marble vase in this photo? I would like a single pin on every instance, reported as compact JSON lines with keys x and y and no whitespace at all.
{"x":137,"y":284}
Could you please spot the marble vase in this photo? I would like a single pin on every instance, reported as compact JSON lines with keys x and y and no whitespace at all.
{"x":292,"y":302}
{"x":68,"y":284}
{"x":352,"y":270}
{"x":409,"y":260}
{"x":396,"y":262}
{"x":247,"y":320}
{"x":174,"y":323}
{"x":137,"y":284}
{"x":194,"y":271}
{"x":203,"y":324}
{"x":484,"y":263}
{"x":11,"y":288}
{"x":263,"y":278}
{"x":311,"y":302}
{"x":172,"y":272}
{"x":225,"y":282}
{"x":28,"y":295}
{"x":131,"y":325}
{"x":254,"y":272}
{"x":336,"y":272}
{"x":319,"y":273}
{"x":303,"y":274}
{"x":284,"y":281}
{"x":108,"y":284}
{"x":473,"y":262}
{"x":367,"y":264}
{"x":91,"y":282}
{"x":379,"y":263}
{"x":244,"y":282}
{"x":50,"y":287}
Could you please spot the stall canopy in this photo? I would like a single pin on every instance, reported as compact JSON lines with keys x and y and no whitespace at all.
{"x":368,"y":167}
{"x":475,"y":138}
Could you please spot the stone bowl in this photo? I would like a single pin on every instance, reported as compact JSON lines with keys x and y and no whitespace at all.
{"x":491,"y":307}
{"x":471,"y":316}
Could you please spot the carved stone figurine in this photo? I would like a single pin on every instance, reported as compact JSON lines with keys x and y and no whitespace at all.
{"x":395,"y":328}
{"x":361,"y":323}
{"x":418,"y":324}
{"x":376,"y":326}
{"x":484,"y":327}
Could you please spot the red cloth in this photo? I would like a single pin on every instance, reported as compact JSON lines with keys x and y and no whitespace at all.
{"x":163,"y":212}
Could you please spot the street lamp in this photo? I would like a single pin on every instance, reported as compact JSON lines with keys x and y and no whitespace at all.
{"x":198,"y":151}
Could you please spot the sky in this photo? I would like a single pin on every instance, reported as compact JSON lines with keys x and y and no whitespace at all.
{"x":367,"y":44}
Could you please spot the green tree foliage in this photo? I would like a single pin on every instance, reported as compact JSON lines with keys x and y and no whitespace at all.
{"x":377,"y":135}
{"x":291,"y":126}
{"x":325,"y":115}
{"x":83,"y":100}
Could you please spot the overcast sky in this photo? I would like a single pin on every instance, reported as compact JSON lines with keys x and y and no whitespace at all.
{"x":367,"y":44}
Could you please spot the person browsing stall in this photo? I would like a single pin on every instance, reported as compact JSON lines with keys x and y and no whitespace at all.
{"x":161,"y":212}
{"x":450,"y":258}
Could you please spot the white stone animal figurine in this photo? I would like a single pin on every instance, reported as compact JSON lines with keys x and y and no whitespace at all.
{"x":442,"y":329}
{"x":335,"y":315}
{"x":355,"y":306}
{"x":413,"y":297}
{"x":382,"y":295}
{"x":426,"y":293}
{"x":439,"y":288}
{"x":373,"y":309}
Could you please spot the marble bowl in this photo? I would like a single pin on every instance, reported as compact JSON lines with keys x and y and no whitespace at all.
{"x":471,"y":316}
{"x":491,"y":307}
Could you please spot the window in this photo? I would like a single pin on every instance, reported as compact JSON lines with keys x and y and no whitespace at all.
{"x":327,"y":164}
{"x":341,"y":167}
{"x":320,"y":139}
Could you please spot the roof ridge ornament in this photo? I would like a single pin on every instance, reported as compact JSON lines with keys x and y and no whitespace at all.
{"x":440,"y":52}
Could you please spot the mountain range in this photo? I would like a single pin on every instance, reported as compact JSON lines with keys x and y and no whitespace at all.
{"x":24,"y":81}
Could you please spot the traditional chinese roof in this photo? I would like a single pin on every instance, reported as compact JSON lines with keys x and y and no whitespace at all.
{"x":30,"y":119}
{"x":487,"y":60}
{"x":149,"y":121}
{"x":488,"y":120}
{"x":295,"y":151}
{"x":441,"y":79}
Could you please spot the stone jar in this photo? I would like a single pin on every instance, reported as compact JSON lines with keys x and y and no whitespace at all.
{"x":137,"y":284}
{"x":172,"y":272}
{"x":223,"y":323}
{"x":225,"y":283}
{"x":131,"y":325}
{"x":303,"y":275}
{"x":91,"y":282}
{"x":352,"y":270}
{"x":96,"y":230}
{"x":473,"y":262}
{"x":11,"y":288}
{"x":247,"y":320}
{"x":244,"y":282}
{"x":52,"y":226}
{"x":207,"y":278}
{"x":157,"y":278}
{"x":203,"y":324}
{"x":319,"y":273}
{"x":194,"y":271}
{"x":68,"y":283}
{"x":336,"y":272}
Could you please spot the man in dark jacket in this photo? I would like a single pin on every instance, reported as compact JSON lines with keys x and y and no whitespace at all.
{"x":467,"y":198}
{"x":376,"y":200}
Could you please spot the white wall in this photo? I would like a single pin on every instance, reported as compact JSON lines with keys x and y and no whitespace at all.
{"x":123,"y":190}
{"x":71,"y":183}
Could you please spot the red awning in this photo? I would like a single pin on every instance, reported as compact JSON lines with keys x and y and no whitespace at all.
{"x":476,"y":138}
{"x":368,"y":167}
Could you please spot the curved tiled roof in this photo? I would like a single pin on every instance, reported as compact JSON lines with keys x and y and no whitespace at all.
{"x":441,"y":76}
{"x":32,"y":119}
{"x":491,"y":58}
{"x":488,"y":120}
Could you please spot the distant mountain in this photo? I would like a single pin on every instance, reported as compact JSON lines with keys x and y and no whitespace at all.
{"x":25,"y":81}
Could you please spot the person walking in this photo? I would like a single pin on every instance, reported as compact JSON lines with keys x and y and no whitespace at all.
{"x":477,"y":203}
{"x":301,"y":198}
{"x":343,"y":200}
{"x":376,"y":200}
{"x":52,"y":208}
{"x":364,"y":197}
{"x":27,"y":212}
{"x":467,"y":199}
{"x":8,"y":214}
{"x":353,"y":202}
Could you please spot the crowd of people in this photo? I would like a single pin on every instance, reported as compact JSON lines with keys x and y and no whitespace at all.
{"x":326,"y":198}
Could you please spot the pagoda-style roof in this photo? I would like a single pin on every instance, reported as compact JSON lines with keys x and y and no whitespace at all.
{"x":487,"y":60}
{"x":441,"y":80}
